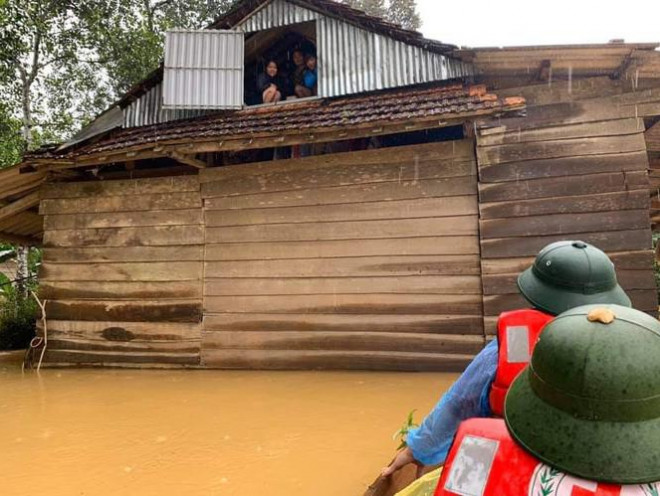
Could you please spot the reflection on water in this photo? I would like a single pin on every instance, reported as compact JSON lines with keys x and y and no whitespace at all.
{"x":107,"y":432}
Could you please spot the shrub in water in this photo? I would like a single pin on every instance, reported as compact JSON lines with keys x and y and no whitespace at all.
{"x":18,"y":316}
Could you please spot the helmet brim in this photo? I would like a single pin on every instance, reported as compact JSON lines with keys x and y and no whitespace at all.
{"x":616,"y":452}
{"x":555,"y":300}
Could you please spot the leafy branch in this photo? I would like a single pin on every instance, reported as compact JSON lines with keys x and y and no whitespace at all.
{"x":402,"y":433}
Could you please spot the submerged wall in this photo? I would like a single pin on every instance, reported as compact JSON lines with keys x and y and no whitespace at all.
{"x":122,"y":272}
{"x":392,"y":259}
{"x":364,"y":260}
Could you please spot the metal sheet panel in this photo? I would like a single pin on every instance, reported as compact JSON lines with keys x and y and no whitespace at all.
{"x":354,"y":60}
{"x":276,"y":14}
{"x":145,"y":110}
{"x":110,"y":119}
{"x":203,"y":69}
{"x":148,"y":109}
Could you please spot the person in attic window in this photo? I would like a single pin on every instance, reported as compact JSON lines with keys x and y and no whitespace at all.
{"x":311,"y":74}
{"x":309,"y":78}
{"x":269,"y":83}
{"x":296,"y":77}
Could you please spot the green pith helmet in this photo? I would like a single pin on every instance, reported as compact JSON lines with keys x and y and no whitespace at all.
{"x":568,"y":274}
{"x":589,"y":402}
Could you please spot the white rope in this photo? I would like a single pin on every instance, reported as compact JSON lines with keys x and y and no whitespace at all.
{"x":37,"y":341}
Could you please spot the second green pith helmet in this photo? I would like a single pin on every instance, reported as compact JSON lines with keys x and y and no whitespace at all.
{"x":589,"y":402}
{"x":568,"y":274}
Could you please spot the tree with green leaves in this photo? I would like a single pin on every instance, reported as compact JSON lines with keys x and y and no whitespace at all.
{"x":41,"y":48}
{"x":62,"y":62}
{"x":375,"y":8}
{"x":128,"y":35}
{"x":42,"y":68}
{"x":402,"y":12}
{"x":11,"y":139}
{"x":17,"y":313}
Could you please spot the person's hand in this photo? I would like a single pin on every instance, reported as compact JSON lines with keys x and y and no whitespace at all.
{"x":403,"y":458}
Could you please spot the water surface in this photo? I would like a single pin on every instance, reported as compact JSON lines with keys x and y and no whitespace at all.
{"x":107,"y":432}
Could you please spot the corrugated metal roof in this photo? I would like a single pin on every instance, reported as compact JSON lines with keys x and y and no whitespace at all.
{"x":275,"y":14}
{"x":149,"y":110}
{"x":351,"y":60}
{"x":354,"y":60}
{"x":110,"y":119}
{"x":342,"y":11}
{"x":245,"y":10}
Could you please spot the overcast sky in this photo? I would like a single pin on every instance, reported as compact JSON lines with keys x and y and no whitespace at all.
{"x":535,"y":22}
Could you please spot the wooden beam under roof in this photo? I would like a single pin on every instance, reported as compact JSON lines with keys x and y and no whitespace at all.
{"x":19,"y":240}
{"x":186,"y":159}
{"x":269,"y":140}
{"x":20,"y":205}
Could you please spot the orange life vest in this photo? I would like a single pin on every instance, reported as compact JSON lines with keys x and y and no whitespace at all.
{"x":517,"y":334}
{"x":485,"y":461}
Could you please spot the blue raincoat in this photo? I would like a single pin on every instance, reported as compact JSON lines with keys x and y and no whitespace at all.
{"x":467,"y":398}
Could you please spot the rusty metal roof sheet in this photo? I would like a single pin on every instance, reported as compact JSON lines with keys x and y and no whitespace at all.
{"x":390,"y":106}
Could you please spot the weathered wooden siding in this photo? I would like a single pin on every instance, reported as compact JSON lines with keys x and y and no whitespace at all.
{"x":652,"y":136}
{"x":579,"y":172}
{"x":354,"y":260}
{"x":122,"y":272}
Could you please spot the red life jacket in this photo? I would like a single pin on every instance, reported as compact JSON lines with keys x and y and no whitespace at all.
{"x":517,"y":334}
{"x":485,"y":461}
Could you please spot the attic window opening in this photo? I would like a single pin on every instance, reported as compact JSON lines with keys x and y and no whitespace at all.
{"x":281,"y":64}
{"x":208,"y":70}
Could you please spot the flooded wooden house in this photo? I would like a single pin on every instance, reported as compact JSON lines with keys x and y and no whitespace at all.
{"x":378,"y":224}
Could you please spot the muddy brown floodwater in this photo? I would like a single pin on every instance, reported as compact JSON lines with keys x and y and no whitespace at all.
{"x":112,"y":432}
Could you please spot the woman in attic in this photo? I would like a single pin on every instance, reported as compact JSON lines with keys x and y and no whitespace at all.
{"x":269,"y":83}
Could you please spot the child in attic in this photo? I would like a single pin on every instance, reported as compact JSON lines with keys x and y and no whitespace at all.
{"x":310,"y":78}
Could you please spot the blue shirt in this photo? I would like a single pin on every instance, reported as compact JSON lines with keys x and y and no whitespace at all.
{"x":310,"y":78}
{"x":467,"y":398}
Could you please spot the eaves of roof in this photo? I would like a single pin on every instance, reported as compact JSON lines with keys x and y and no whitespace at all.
{"x":424,"y":106}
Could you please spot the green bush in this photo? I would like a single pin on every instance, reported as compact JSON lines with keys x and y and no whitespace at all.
{"x":18,"y":314}
{"x":18,"y":320}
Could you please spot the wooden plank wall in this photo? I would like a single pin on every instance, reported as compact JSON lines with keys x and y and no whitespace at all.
{"x":654,"y":188}
{"x":122,"y":272}
{"x":546,"y":180}
{"x":652,"y":136}
{"x":366,"y":260}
